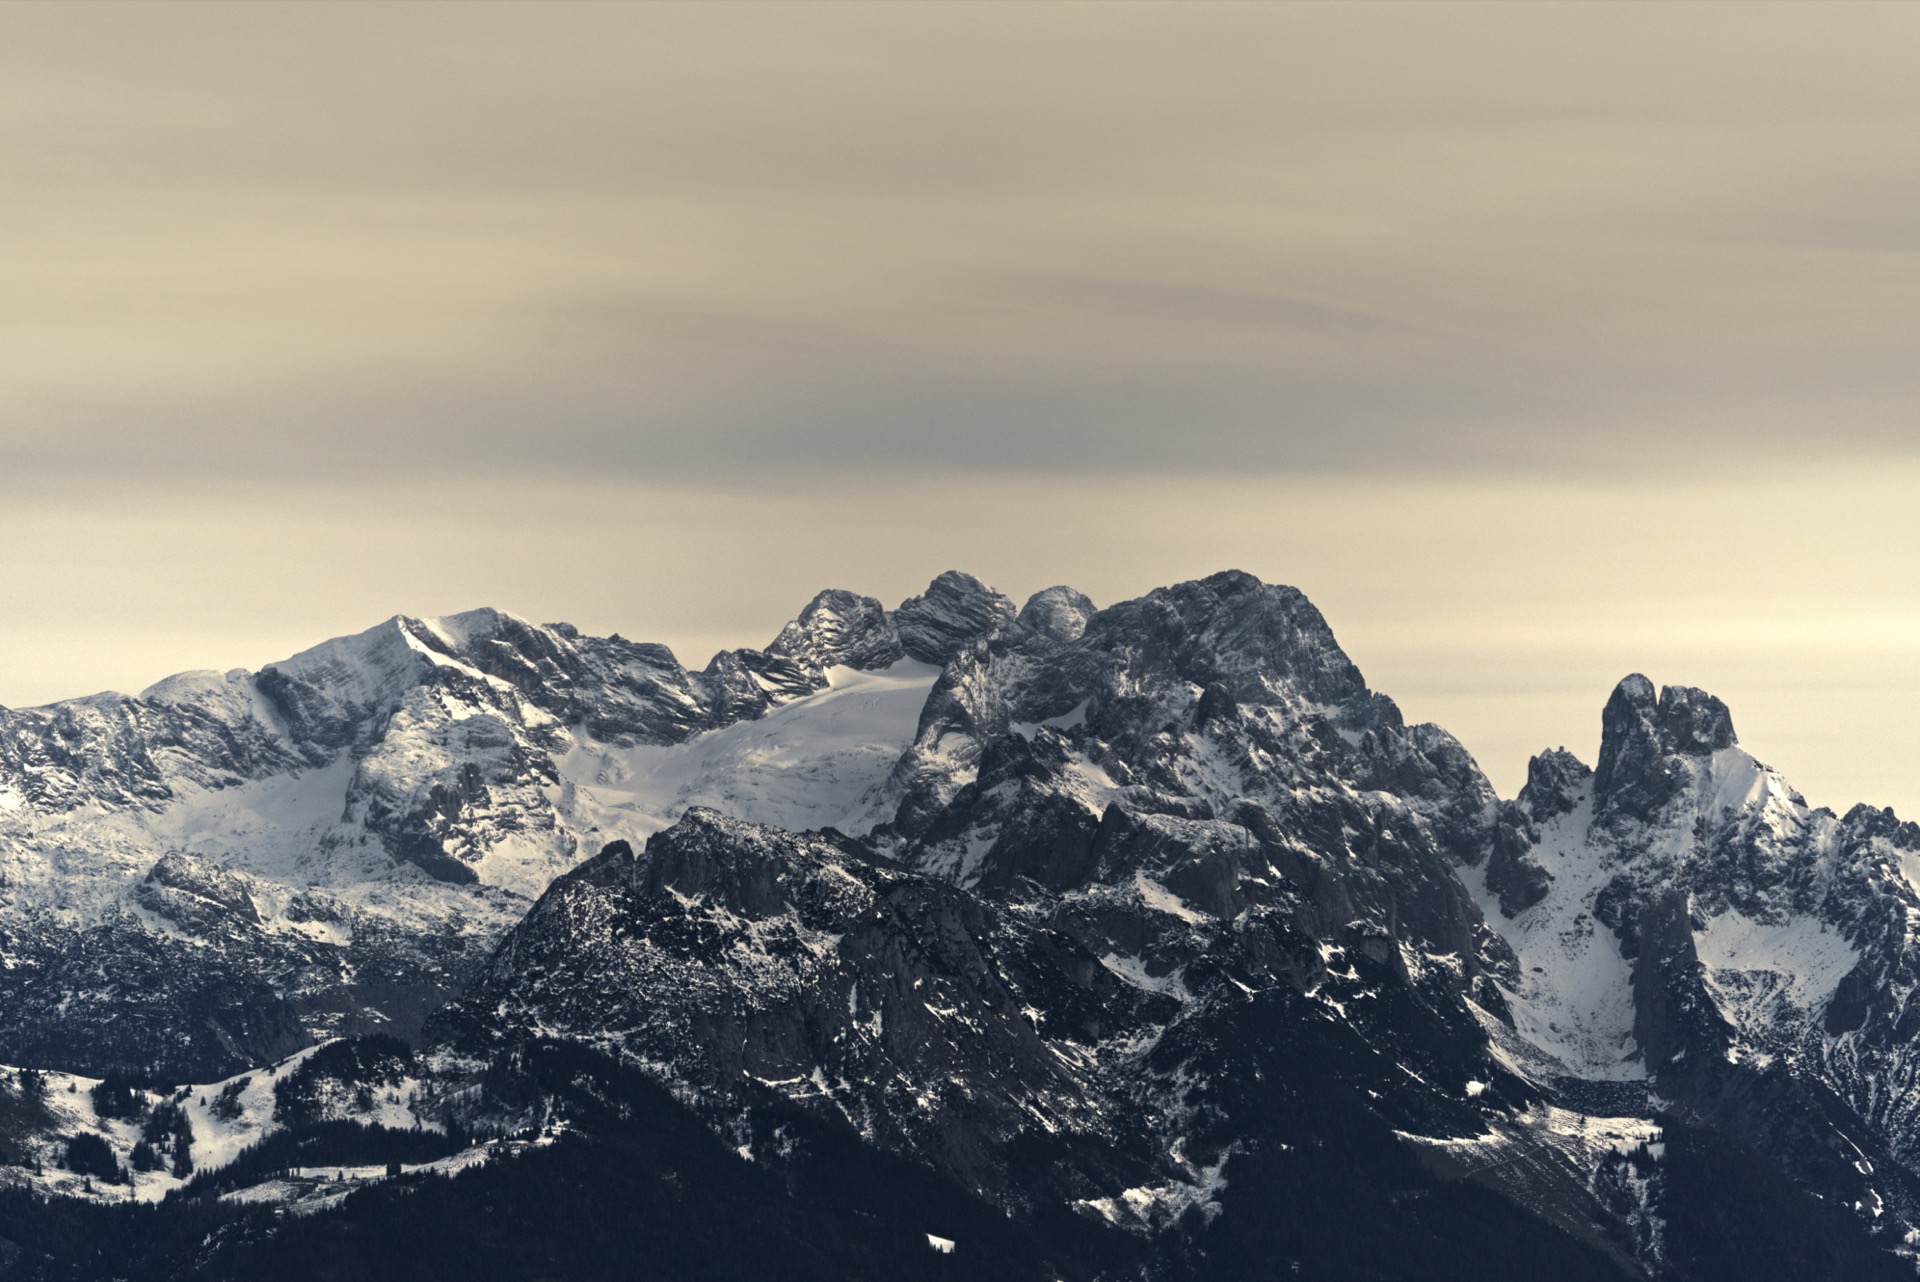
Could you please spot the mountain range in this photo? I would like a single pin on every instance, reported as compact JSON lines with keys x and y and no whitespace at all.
{"x":958,"y":939}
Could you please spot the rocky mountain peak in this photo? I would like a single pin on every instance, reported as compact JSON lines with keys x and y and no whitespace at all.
{"x":707,"y":856}
{"x":955,"y":611}
{"x":1059,"y":613}
{"x":1254,"y":639}
{"x":1644,"y":739}
{"x":1555,"y":780}
{"x":840,"y":627}
{"x":469,"y":628}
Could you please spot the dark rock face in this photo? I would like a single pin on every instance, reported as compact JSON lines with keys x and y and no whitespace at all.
{"x":1556,"y":780}
{"x":746,"y":957}
{"x":954,"y":611}
{"x":1187,"y":703}
{"x":1643,"y":742}
{"x":189,"y":981}
{"x":1252,"y":639}
{"x":118,"y":751}
{"x":840,"y":628}
{"x":1678,"y":1027}
{"x":1515,"y":879}
{"x":198,"y":891}
{"x":1057,"y":613}
{"x":120,"y":996}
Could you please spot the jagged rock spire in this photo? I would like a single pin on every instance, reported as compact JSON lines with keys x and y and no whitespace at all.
{"x":1642,"y":739}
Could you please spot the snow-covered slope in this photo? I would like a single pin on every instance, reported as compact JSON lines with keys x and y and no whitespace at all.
{"x":205,"y":1138}
{"x":1572,"y":998}
{"x":818,"y":762}
{"x":1683,"y":924}
{"x":332,"y":844}
{"x":1781,"y":902}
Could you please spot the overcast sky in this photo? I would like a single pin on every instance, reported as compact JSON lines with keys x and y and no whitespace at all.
{"x":1538,"y":343}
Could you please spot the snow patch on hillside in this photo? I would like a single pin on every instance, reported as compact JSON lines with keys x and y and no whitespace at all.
{"x":1156,"y":1206}
{"x":1076,"y":716}
{"x":1735,"y":783}
{"x":227,"y":1117}
{"x":1574,"y":1001}
{"x":816,"y":762}
{"x":1753,"y":968}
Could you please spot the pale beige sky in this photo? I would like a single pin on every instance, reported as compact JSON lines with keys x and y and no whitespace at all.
{"x":1538,"y":343}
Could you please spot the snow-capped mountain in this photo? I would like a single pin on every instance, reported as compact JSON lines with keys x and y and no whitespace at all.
{"x":1685,"y":925}
{"x":215,"y":872}
{"x":1149,"y":935}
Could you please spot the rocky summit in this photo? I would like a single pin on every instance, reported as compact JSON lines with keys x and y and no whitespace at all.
{"x":951,"y":939}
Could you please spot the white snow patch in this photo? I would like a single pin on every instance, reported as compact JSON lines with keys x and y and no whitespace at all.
{"x":1574,"y":1001}
{"x":1158,"y":897}
{"x":820,"y":761}
{"x":1584,"y":1138}
{"x":226,"y":1118}
{"x":1909,"y":862}
{"x":1158,"y":1205}
{"x":1754,"y":967}
{"x":1737,"y":782}
{"x":1077,"y":716}
{"x":1134,"y":971}
{"x":307,"y":1189}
